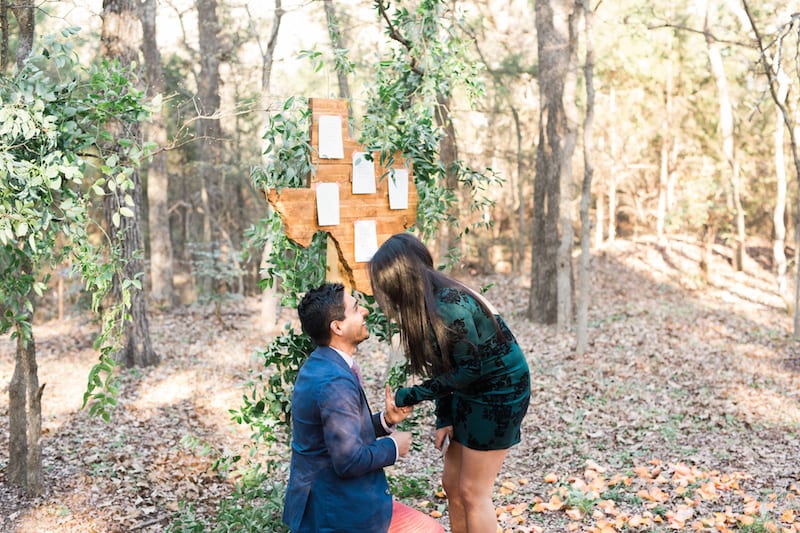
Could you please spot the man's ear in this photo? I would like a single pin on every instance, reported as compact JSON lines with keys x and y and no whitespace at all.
{"x":335,"y":327}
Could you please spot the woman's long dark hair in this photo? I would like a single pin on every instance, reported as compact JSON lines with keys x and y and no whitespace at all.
{"x":404,"y":283}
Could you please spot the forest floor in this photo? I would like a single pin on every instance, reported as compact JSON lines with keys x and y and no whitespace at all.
{"x":683,"y":414}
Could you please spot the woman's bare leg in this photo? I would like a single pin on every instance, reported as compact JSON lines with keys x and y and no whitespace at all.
{"x":451,"y":480}
{"x":478,"y":471}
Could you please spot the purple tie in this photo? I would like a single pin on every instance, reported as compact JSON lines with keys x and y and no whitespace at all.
{"x":357,"y":372}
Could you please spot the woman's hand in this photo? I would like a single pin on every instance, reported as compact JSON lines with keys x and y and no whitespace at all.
{"x":393,"y":414}
{"x":441,"y":433}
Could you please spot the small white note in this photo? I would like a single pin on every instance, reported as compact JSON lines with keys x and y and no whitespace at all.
{"x":330,"y":137}
{"x":366,"y":240}
{"x":398,"y":188}
{"x":328,"y":204}
{"x":363,"y":174}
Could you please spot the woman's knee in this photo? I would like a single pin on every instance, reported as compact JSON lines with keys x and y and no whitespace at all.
{"x":450,"y":484}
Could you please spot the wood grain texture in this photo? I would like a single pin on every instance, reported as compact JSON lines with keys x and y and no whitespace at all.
{"x":297,"y":207}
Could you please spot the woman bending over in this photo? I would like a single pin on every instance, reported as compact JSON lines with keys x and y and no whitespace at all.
{"x":472,"y":367}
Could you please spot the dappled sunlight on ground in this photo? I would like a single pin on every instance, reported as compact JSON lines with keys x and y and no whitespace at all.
{"x":758,"y":404}
{"x":168,"y":390}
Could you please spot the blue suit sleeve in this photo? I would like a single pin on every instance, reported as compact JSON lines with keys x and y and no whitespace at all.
{"x":354,"y":452}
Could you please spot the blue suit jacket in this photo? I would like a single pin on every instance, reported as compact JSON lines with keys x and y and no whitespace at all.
{"x":336,"y":479}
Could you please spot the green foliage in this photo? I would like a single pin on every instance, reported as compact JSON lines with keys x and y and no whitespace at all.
{"x":579,"y":500}
{"x":53,"y":162}
{"x":269,"y":404}
{"x":409,"y":487}
{"x":427,"y":62}
{"x":287,"y":149}
{"x":254,"y":507}
{"x":209,"y":261}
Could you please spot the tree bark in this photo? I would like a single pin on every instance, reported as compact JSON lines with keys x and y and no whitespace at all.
{"x":25,"y":396}
{"x":779,"y":244}
{"x":615,"y":169}
{"x":790,"y":123}
{"x":584,"y":281}
{"x":564,"y":272}
{"x":666,"y":132}
{"x":448,"y":153}
{"x":120,"y":39}
{"x":726,"y":125}
{"x":270,"y":299}
{"x":552,"y":24}
{"x":337,"y":43}
{"x":209,"y":132}
{"x":600,"y":216}
{"x":518,"y":257}
{"x":3,"y":36}
{"x":25,"y":14}
{"x":25,"y":415}
{"x":162,"y":290}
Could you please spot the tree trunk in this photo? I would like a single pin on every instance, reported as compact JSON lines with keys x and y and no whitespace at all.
{"x":600,"y":216}
{"x":584,"y":281}
{"x":615,"y":169}
{"x":162,"y":290}
{"x":209,"y":134}
{"x":25,"y":404}
{"x":707,"y":253}
{"x":726,"y":130}
{"x":270,"y":299}
{"x":25,"y":412}
{"x":338,"y":44}
{"x":121,"y":38}
{"x":790,"y":123}
{"x":24,"y":394}
{"x":518,"y":257}
{"x":269,"y":53}
{"x":25,"y":14}
{"x":663,"y":174}
{"x":779,"y":245}
{"x":448,"y":153}
{"x":564,"y":272}
{"x":3,"y":36}
{"x":552,"y":24}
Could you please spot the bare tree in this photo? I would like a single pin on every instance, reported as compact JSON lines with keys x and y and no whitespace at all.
{"x":270,"y":299}
{"x":209,"y":132}
{"x":24,"y":391}
{"x":338,"y":43}
{"x":554,"y":152}
{"x":25,"y":13}
{"x":448,"y":153}
{"x":121,"y":39}
{"x":666,"y":133}
{"x":771,"y":69}
{"x":162,"y":290}
{"x":584,"y":282}
{"x":4,"y":36}
{"x":726,"y":125}
{"x":779,"y":212}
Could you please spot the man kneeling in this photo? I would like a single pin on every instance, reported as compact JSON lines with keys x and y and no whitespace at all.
{"x":336,"y":478}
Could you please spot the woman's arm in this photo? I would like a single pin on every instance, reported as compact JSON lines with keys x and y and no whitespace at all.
{"x":467,"y":364}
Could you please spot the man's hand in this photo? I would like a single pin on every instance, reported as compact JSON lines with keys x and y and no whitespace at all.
{"x":403,"y":440}
{"x":393,"y":414}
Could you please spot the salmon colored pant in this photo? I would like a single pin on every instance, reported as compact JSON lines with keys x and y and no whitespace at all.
{"x":408,"y":520}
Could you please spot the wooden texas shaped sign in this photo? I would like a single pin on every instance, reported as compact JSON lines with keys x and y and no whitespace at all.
{"x":300,"y":208}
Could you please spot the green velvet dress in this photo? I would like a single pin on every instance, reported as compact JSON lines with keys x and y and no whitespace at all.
{"x":485,"y":394}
